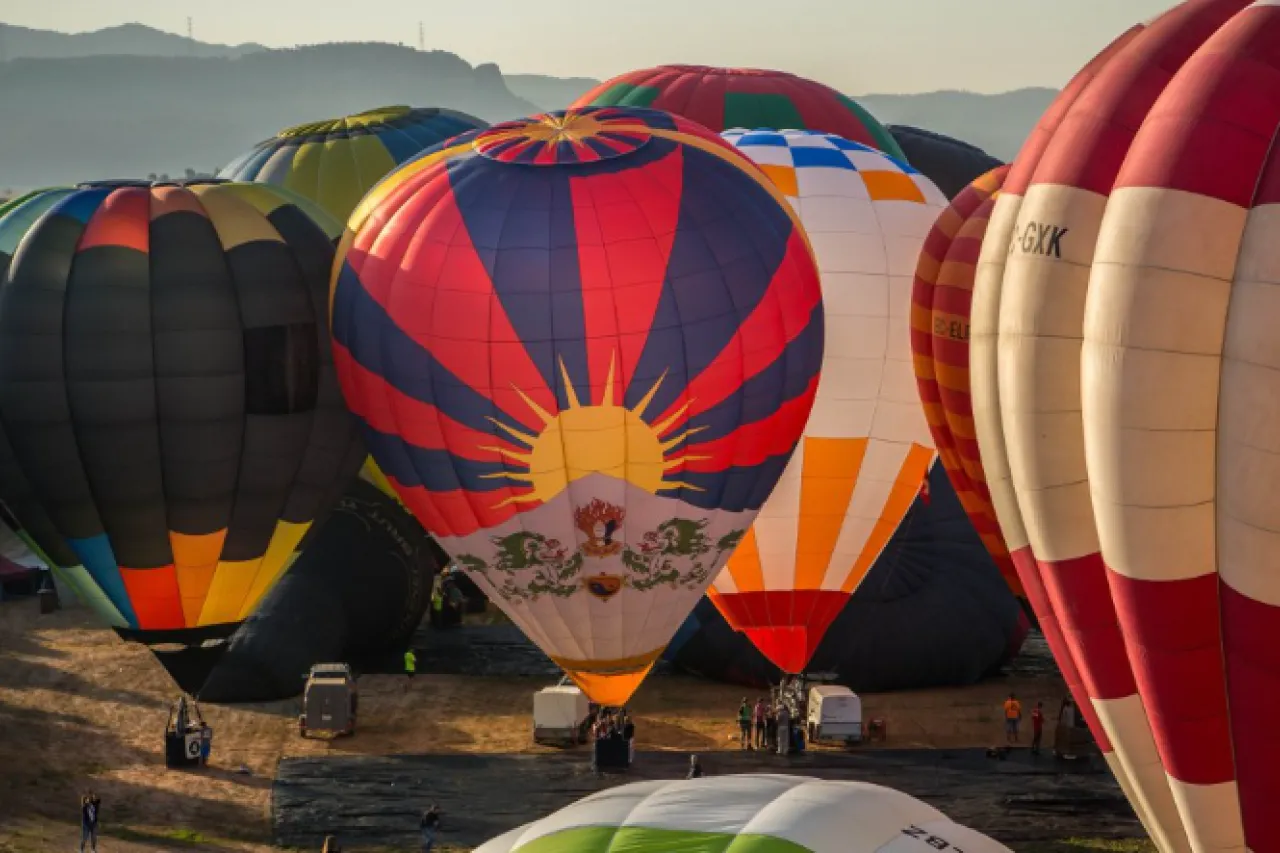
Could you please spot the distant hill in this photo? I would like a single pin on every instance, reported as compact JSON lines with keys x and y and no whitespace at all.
{"x":124,"y":40}
{"x":549,"y":93}
{"x":131,"y":100}
{"x":127,"y":116}
{"x":996,"y":123}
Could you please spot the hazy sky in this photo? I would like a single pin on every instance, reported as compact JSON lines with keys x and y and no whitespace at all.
{"x":858,"y":46}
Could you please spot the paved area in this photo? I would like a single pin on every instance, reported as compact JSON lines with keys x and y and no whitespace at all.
{"x":376,"y":800}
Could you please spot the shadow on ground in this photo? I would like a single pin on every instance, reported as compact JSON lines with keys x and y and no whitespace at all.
{"x":375,"y":801}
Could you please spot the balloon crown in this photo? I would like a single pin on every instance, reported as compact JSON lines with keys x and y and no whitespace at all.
{"x":726,"y":72}
{"x":367,"y":120}
{"x":586,"y":135}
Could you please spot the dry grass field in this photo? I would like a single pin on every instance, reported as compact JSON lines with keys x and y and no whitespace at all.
{"x":80,"y":709}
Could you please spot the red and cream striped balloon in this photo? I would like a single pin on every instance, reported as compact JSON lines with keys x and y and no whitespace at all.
{"x":940,"y":301}
{"x":1041,"y":329}
{"x":1180,"y":385}
{"x":985,"y":390}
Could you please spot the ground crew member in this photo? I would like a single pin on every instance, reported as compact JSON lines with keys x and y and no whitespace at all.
{"x":1012,"y":716}
{"x":410,"y":666}
{"x":1037,"y":727}
{"x":437,"y":603}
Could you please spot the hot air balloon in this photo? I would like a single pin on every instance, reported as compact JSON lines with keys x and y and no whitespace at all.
{"x":759,"y":812}
{"x":866,"y":448}
{"x":940,"y":304}
{"x":985,"y":390}
{"x":1041,"y":329}
{"x":950,"y":163}
{"x":725,"y":98}
{"x":336,"y":161}
{"x":583,"y":346}
{"x":170,"y":423}
{"x":932,"y":612}
{"x":1178,"y":380}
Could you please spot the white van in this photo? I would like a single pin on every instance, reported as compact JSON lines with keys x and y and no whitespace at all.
{"x":558,"y":714}
{"x":835,"y":713}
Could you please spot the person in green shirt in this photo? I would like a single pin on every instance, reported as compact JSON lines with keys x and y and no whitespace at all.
{"x":410,"y":666}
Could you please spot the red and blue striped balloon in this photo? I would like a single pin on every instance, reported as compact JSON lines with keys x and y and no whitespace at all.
{"x":583,"y":346}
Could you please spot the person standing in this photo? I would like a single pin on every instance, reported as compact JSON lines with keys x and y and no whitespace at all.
{"x":410,"y":666}
{"x":90,"y":806}
{"x":695,"y":769}
{"x":1037,"y":727}
{"x":744,"y":723}
{"x":759,"y":719}
{"x":784,"y":729}
{"x":629,"y":733}
{"x":1012,"y":716}
{"x":428,"y":826}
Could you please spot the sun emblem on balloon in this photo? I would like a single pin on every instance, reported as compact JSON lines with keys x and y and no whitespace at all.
{"x":602,"y":438}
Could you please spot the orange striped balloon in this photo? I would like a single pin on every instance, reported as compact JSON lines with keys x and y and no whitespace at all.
{"x":940,"y":301}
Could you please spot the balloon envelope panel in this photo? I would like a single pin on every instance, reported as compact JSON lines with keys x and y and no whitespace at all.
{"x":950,"y":163}
{"x":583,"y":346}
{"x":766,"y":813}
{"x":1178,"y":387}
{"x":724,"y":98}
{"x":172,"y":425}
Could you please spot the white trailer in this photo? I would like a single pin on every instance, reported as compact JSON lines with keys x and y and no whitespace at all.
{"x":835,"y":713}
{"x":558,"y":714}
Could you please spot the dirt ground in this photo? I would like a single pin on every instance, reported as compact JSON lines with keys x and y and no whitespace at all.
{"x":81,"y":709}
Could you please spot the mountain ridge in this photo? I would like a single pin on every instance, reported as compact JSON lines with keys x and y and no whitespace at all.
{"x":131,"y":100}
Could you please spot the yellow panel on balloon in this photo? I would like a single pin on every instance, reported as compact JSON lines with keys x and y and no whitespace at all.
{"x":227,"y":592}
{"x":281,"y":553}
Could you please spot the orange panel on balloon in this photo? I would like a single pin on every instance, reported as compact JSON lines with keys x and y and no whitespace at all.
{"x":830,"y":472}
{"x":195,"y":559}
{"x":744,"y":564}
{"x":155,"y":598}
{"x":612,"y":690}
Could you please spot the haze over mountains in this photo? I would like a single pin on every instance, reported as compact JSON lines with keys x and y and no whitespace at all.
{"x":131,"y":100}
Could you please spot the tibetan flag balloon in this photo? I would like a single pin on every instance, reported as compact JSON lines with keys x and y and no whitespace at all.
{"x":866,"y":448}
{"x":170,"y":423}
{"x":984,"y":386}
{"x":583,"y":346}
{"x":335,"y":162}
{"x":1180,"y":387}
{"x":724,"y":98}
{"x":941,"y":298}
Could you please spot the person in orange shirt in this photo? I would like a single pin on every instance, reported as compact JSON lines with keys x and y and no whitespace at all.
{"x":1012,"y":716}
